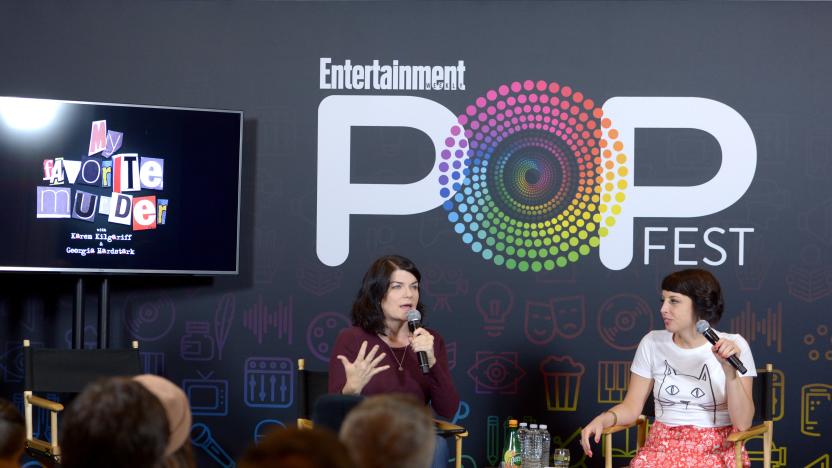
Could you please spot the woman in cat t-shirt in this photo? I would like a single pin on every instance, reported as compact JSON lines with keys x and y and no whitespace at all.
{"x":699,"y":397}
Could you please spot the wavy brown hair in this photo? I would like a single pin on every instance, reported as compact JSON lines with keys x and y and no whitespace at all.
{"x":366,"y":309}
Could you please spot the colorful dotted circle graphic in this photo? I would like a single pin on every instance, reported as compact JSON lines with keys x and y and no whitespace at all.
{"x":539,"y":179}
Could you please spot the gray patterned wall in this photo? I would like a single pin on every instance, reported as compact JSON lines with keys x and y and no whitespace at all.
{"x":513,"y":335}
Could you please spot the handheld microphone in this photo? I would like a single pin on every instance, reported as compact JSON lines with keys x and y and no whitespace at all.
{"x":414,"y":321}
{"x":704,"y":328}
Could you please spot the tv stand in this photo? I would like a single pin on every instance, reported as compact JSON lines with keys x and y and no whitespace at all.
{"x":103,"y":314}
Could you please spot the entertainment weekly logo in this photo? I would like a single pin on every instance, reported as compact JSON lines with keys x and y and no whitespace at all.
{"x":534,"y":175}
{"x":99,"y":193}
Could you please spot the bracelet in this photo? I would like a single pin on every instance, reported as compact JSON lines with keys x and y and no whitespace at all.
{"x":614,"y":417}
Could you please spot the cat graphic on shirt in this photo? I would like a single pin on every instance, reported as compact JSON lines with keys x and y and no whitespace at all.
{"x":688,"y":391}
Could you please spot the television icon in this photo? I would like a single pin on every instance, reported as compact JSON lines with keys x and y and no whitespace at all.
{"x":208,"y":397}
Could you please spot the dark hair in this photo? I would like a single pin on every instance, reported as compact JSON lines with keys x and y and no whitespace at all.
{"x":366,"y":309}
{"x":703,"y":289}
{"x":12,"y":431}
{"x":297,"y":448}
{"x":114,"y":422}
{"x":390,"y":430}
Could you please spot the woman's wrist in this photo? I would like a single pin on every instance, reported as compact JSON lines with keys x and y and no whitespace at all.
{"x":730,"y":372}
{"x":614,"y":418}
{"x":350,"y":390}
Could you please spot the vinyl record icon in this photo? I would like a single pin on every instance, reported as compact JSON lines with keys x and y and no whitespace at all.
{"x":623,"y":320}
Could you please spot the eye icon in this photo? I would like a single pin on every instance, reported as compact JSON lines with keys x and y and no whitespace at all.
{"x":697,"y":392}
{"x":496,"y":372}
{"x":673,"y":390}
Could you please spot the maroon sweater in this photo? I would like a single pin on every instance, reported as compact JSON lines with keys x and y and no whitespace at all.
{"x":436,"y":387}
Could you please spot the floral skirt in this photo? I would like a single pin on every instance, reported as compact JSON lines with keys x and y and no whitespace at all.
{"x":687,"y":446}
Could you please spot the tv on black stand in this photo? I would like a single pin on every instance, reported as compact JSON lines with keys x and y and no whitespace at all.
{"x":94,"y":188}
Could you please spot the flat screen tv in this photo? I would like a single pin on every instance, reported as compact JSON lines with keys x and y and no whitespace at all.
{"x":112,"y":188}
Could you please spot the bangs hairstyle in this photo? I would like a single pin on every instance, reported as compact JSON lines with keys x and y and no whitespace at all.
{"x":366,"y":309}
{"x":703,"y":289}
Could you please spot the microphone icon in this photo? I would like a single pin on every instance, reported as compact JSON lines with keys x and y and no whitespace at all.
{"x":202,"y":438}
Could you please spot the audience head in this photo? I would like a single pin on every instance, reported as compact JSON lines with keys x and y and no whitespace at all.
{"x":115,"y":422}
{"x":366,"y":309}
{"x":390,"y":430}
{"x":297,"y":448}
{"x":178,"y":450}
{"x":702,"y":288}
{"x":12,"y":432}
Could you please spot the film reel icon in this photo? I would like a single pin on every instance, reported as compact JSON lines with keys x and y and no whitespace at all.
{"x":623,"y":320}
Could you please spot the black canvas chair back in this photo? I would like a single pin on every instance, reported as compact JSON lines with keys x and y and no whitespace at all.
{"x":649,"y":407}
{"x":70,"y":370}
{"x":331,"y":410}
{"x":763,"y":395}
{"x":311,"y":386}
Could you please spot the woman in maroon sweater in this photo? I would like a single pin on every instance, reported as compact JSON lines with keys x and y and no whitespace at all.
{"x":378,"y":353}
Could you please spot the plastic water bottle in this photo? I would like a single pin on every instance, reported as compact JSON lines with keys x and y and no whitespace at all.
{"x":545,"y":445}
{"x":522,"y":434}
{"x":531,"y":456}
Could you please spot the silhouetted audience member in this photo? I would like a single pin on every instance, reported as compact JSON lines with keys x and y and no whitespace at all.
{"x":390,"y":430}
{"x":12,"y":435}
{"x":178,"y":452}
{"x":117,"y":423}
{"x":297,"y":448}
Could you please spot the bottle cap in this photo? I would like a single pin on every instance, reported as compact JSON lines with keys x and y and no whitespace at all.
{"x":543,"y":426}
{"x":533,"y":426}
{"x":523,"y":424}
{"x":512,"y":423}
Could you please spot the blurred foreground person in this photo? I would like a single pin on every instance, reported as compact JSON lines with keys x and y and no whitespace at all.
{"x":297,"y":448}
{"x":12,"y":435}
{"x":386,"y":431}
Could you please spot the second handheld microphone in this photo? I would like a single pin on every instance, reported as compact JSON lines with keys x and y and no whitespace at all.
{"x":704,"y":328}
{"x":414,"y":321}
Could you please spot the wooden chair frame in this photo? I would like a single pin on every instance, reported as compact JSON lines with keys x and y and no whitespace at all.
{"x":39,"y":447}
{"x":762,"y":408}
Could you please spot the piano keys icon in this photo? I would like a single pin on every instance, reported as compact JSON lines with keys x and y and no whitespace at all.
{"x":269,"y":382}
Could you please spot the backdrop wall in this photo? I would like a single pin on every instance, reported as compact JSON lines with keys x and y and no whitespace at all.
{"x":538,"y":325}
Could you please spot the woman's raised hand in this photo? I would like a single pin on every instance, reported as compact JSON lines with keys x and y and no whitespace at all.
{"x":361,"y":371}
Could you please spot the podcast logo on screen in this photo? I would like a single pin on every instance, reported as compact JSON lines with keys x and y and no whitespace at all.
{"x":535,"y":175}
{"x":76,"y":190}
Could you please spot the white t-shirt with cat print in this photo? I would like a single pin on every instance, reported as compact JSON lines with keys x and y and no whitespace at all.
{"x":689,"y":384}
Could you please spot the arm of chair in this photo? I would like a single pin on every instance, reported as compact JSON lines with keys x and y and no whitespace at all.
{"x":444,"y":428}
{"x":642,"y":419}
{"x":745,"y":435}
{"x":44,"y":403}
{"x":41,"y":447}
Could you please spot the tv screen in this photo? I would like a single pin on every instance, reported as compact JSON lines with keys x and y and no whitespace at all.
{"x":113,"y":188}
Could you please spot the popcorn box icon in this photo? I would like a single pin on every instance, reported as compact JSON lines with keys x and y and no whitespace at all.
{"x":562,"y":379}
